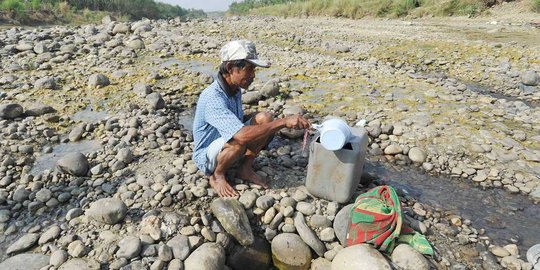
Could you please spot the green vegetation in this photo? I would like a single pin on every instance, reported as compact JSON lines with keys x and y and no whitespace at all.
{"x":90,"y":10}
{"x":361,"y":8}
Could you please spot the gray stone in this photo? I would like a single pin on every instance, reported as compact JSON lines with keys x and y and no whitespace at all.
{"x":255,"y":257}
{"x":417,"y":155}
{"x":265,"y":202}
{"x":51,"y":234}
{"x":107,"y":210}
{"x":120,"y":28}
{"x":136,"y":44}
{"x":321,"y":264}
{"x":248,"y":199}
{"x":58,"y":258}
{"x":45,"y":83}
{"x":98,"y":80}
{"x":75,"y":264}
{"x":74,"y":164}
{"x":209,"y":256}
{"x":180,"y":247}
{"x":341,"y":223}
{"x":39,"y":109}
{"x":43,"y":195}
{"x":142,"y":89}
{"x":290,"y":252}
{"x":22,"y":244}
{"x":176,"y":264}
{"x":73,"y":213}
{"x":327,"y":235}
{"x":251,"y":97}
{"x":270,"y":88}
{"x":76,"y":249}
{"x":360,"y":257}
{"x":308,"y":235}
{"x":305,"y":208}
{"x":530,"y":78}
{"x":319,"y":221}
{"x":25,"y":262}
{"x":76,"y":133}
{"x":129,"y":247}
{"x":392,"y":149}
{"x":125,"y":155}
{"x":233,"y":218}
{"x":408,"y":258}
{"x":155,"y":101}
{"x":10,"y":111}
{"x":533,"y":254}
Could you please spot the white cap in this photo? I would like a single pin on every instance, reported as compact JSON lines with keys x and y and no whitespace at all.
{"x":242,"y":50}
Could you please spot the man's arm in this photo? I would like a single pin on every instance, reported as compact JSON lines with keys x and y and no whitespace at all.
{"x":251,"y":133}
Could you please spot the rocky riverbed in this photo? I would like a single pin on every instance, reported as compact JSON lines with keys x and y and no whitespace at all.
{"x":96,"y":147}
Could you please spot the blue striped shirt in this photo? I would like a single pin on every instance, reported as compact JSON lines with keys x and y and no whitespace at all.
{"x":218,"y":114}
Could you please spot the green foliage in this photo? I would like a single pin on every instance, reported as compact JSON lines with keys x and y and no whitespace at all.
{"x":360,"y":8}
{"x":12,"y":5}
{"x":535,"y":5}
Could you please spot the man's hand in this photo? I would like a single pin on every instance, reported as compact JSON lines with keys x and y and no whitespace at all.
{"x":297,"y":122}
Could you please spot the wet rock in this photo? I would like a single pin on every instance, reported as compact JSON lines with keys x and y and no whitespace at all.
{"x":74,"y":164}
{"x":530,"y":78}
{"x":233,"y":218}
{"x":359,"y":257}
{"x":308,"y":235}
{"x":98,"y":80}
{"x":129,"y":247}
{"x":25,"y":262}
{"x":180,"y":247}
{"x":255,"y":257}
{"x":341,"y":222}
{"x":155,"y":101}
{"x":499,"y":251}
{"x":22,"y":244}
{"x":107,"y":210}
{"x":290,"y":252}
{"x":10,"y":111}
{"x":408,"y":258}
{"x":209,"y":256}
{"x":533,"y":255}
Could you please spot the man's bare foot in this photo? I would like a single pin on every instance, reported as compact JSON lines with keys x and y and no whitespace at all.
{"x":221,"y":186}
{"x":247,"y":173}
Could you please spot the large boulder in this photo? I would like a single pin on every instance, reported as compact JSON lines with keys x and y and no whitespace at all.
{"x":74,"y":164}
{"x":289,"y":252}
{"x":108,"y":210}
{"x":233,"y":218}
{"x":209,"y":256}
{"x":10,"y":111}
{"x":360,"y":257}
{"x":25,"y":262}
{"x":408,"y":258}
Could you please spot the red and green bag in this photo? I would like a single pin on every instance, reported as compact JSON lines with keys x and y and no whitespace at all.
{"x":376,"y":218}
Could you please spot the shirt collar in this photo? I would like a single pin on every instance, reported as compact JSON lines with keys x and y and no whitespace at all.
{"x":225,"y":86}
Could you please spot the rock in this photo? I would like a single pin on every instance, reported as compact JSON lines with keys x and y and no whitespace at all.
{"x":251,"y":97}
{"x":142,"y":89}
{"x":209,"y":256}
{"x":341,"y":223}
{"x":530,"y":78}
{"x":74,"y":164}
{"x":108,"y":19}
{"x":270,"y":88}
{"x":136,"y":44}
{"x":180,"y":247}
{"x":120,"y":28}
{"x":155,"y":101}
{"x":265,"y":202}
{"x":98,"y":80}
{"x":248,"y":199}
{"x":360,"y":257}
{"x":76,"y":249}
{"x":533,"y":255}
{"x":40,"y":48}
{"x":45,"y":83}
{"x":176,"y":264}
{"x":108,"y":210}
{"x":392,"y":149}
{"x":417,"y":155}
{"x":408,"y":258}
{"x":25,"y":262}
{"x":58,"y":258}
{"x":327,"y":235}
{"x":308,"y":235}
{"x":129,"y":247}
{"x":293,"y":110}
{"x":22,"y":244}
{"x":125,"y":155}
{"x":39,"y":109}
{"x":10,"y":111}
{"x":321,"y":264}
{"x":255,"y":257}
{"x":76,"y":133}
{"x":290,"y":252}
{"x":51,"y":234}
{"x":43,"y":195}
{"x":75,"y":264}
{"x":305,"y":208}
{"x":233,"y":218}
{"x":499,"y":251}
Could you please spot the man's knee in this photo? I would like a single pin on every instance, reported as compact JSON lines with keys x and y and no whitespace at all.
{"x":263,"y":118}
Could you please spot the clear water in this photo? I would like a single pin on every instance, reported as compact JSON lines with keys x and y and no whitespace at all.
{"x":48,"y":161}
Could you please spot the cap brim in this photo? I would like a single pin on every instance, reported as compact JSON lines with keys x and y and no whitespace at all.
{"x":259,"y":63}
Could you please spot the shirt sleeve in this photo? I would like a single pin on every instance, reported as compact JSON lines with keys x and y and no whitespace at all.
{"x":218,"y":115}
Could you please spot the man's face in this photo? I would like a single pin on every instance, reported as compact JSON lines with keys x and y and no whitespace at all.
{"x":243,"y":77}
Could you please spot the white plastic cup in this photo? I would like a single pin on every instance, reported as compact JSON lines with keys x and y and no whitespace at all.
{"x":335,"y":133}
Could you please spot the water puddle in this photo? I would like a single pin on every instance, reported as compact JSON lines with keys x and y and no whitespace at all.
{"x":504,"y":216}
{"x":193,"y":65}
{"x":186,"y":119}
{"x":48,"y":161}
{"x":89,"y":115}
